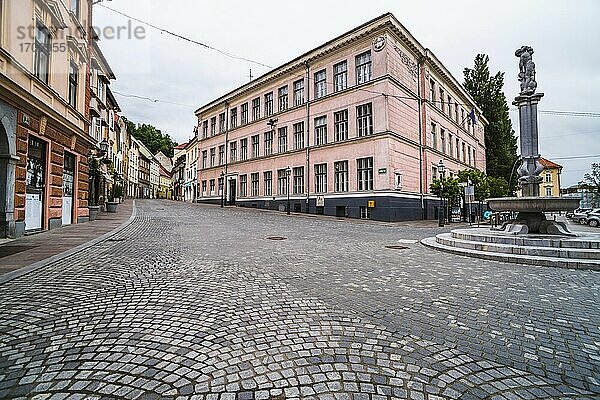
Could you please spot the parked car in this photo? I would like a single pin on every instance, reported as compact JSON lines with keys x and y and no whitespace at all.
{"x":581,"y":216}
{"x":593,"y":219}
{"x":570,"y":214}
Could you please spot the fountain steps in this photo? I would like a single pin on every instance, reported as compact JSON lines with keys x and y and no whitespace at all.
{"x":565,"y":253}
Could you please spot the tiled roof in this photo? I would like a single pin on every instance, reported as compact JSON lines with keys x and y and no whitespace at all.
{"x":549,"y":164}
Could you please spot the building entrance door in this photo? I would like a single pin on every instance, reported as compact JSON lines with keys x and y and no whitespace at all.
{"x":232,"y":192}
{"x":68,"y":186}
{"x":35,"y":184}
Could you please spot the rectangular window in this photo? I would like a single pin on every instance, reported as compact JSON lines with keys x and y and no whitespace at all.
{"x":432,"y":91}
{"x":463,"y":152}
{"x":442,"y":104}
{"x":320,"y":130}
{"x":443,"y":140}
{"x":222,"y":154}
{"x":282,"y":182}
{"x":548,"y":178}
{"x":299,"y":180}
{"x":320,"y":84}
{"x":363,"y":67}
{"x":341,"y":125}
{"x":233,"y":151}
{"x":321,"y":178}
{"x":243,"y":185}
{"x":364,"y":169}
{"x":449,"y":106}
{"x":549,"y":191}
{"x":212,"y":187}
{"x":42,"y":52}
{"x":243,"y":149}
{"x":299,"y":135}
{"x":256,"y":109}
{"x":73,"y":83}
{"x":255,"y":146}
{"x":268,"y":104}
{"x":205,"y":129}
{"x":469,"y":153}
{"x":244,"y":114}
{"x":212,"y":157}
{"x":268,"y":177}
{"x":365,"y":212}
{"x":340,"y":76}
{"x":283,"y":98}
{"x":283,"y":139}
{"x":204,"y":159}
{"x":364,"y":120}
{"x":221,"y":122}
{"x":213,"y":126}
{"x":254,"y":184}
{"x":450,"y":142}
{"x":233,"y":118}
{"x":457,"y":149}
{"x":433,"y":136}
{"x":74,"y":8}
{"x":204,"y":188}
{"x":341,"y":176}
{"x":268,"y":143}
{"x":221,"y":181}
{"x":299,"y":92}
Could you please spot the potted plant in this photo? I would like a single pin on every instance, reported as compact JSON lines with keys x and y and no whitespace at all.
{"x":94,"y":173}
{"x":114,"y":194}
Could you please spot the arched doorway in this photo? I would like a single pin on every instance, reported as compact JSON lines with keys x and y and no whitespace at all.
{"x":7,"y":186}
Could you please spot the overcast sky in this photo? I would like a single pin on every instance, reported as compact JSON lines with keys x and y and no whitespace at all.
{"x":564,"y":34}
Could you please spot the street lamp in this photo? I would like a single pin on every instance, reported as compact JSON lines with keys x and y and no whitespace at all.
{"x":288,"y":172}
{"x":103,"y":147}
{"x":441,"y":214}
{"x":221,"y":186}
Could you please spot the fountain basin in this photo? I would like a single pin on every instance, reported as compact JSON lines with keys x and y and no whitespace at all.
{"x":533,"y":204}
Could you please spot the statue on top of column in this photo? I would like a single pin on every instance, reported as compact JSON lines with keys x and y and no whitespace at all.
{"x":526,"y":70}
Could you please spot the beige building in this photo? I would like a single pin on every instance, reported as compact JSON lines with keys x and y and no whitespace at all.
{"x":550,"y":186}
{"x":355,"y":127}
{"x":45,"y":50}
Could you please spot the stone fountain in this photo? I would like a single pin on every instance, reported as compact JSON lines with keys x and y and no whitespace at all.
{"x":530,"y":238}
{"x":531,"y":207}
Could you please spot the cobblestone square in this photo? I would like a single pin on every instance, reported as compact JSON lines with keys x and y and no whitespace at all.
{"x":194,"y":301}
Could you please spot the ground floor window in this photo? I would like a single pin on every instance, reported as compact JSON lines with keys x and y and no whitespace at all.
{"x":254,"y":185}
{"x":268,"y":183}
{"x":365,"y":212}
{"x":282,"y":182}
{"x":243,"y":185}
{"x":299,"y":180}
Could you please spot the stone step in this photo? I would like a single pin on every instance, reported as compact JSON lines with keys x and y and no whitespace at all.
{"x":545,"y":261}
{"x":477,"y":235}
{"x":534,"y":251}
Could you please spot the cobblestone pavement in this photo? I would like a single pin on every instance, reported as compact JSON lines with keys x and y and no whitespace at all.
{"x":194,"y":301}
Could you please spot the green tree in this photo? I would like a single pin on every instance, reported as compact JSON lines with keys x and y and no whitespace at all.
{"x":591,"y":181}
{"x":479,"y":180}
{"x":448,"y":188}
{"x":498,"y":187}
{"x":151,"y":137}
{"x":500,"y":139}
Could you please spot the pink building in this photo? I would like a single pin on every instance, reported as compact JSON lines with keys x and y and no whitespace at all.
{"x":355,"y":127}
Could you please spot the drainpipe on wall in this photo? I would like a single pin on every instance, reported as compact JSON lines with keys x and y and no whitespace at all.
{"x":226,"y":150}
{"x":307,"y":130}
{"x":421,"y":149}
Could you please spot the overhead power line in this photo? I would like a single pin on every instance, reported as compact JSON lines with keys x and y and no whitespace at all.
{"x":135,"y":96}
{"x":566,"y":113}
{"x":187,"y":39}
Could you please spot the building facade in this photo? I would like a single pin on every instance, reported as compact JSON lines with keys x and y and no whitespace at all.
{"x":44,"y":103}
{"x":134,"y":167}
{"x":191,"y":171}
{"x":550,"y":186}
{"x":355,"y":127}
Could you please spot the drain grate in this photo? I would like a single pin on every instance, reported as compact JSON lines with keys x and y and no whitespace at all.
{"x":116,"y":239}
{"x":276,"y":238}
{"x":6,"y":251}
{"x":396,"y":247}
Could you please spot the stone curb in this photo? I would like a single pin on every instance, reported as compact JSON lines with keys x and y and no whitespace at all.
{"x":42,"y":263}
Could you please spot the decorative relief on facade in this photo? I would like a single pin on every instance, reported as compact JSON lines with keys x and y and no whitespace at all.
{"x":379,"y":43}
{"x":406,"y":60}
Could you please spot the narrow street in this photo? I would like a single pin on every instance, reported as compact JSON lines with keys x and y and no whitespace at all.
{"x":198,"y":301}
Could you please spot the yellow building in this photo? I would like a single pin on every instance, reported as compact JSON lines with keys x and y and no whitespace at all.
{"x":165,"y":190}
{"x":550,"y":186}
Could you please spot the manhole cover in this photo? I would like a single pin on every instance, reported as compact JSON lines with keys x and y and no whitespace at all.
{"x":276,"y":238}
{"x":396,"y":247}
{"x":6,"y":251}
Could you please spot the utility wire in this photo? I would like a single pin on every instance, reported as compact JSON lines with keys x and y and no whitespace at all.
{"x":206,"y":46}
{"x":135,"y":96}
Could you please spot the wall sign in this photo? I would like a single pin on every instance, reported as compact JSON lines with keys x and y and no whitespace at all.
{"x":382,"y":170}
